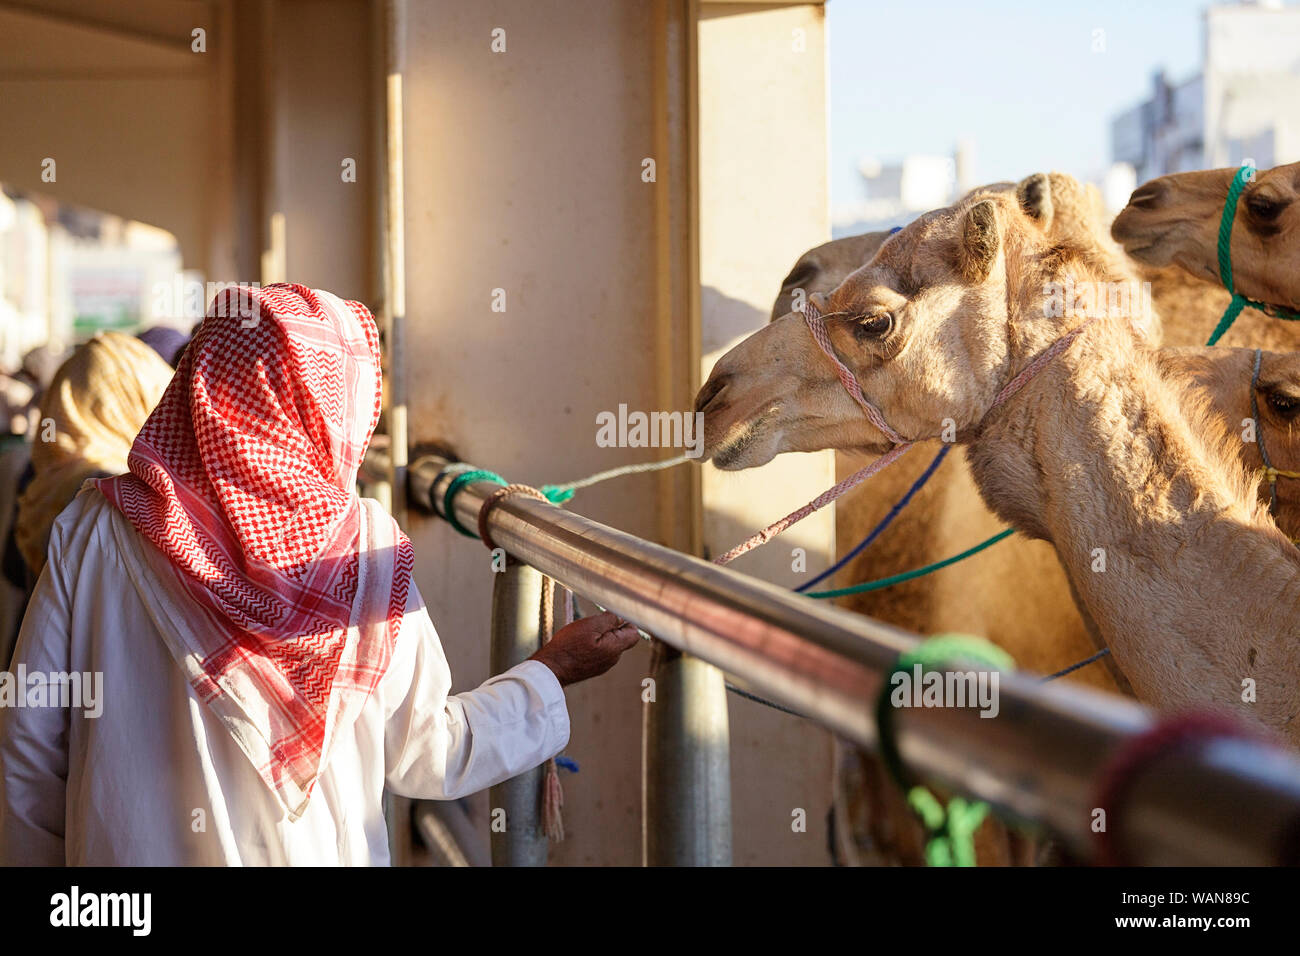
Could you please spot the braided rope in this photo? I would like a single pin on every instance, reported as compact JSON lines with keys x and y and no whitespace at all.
{"x":825,"y":498}
{"x":492,"y":500}
{"x":454,"y":486}
{"x":1038,"y":363}
{"x":563,"y":492}
{"x":884,"y":522}
{"x":552,"y":796}
{"x":1239,"y":301}
{"x":812,"y":317}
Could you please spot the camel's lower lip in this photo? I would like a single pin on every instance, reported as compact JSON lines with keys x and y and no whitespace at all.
{"x":736,"y":438}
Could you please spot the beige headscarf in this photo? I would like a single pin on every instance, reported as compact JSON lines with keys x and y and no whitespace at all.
{"x":95,"y":405}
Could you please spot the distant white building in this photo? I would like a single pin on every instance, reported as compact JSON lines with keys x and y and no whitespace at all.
{"x":1244,"y":105}
{"x":900,"y":191}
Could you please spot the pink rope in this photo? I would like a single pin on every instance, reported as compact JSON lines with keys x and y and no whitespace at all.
{"x":1036,"y":366}
{"x":813,"y":318}
{"x":816,"y":325}
{"x":821,"y":501}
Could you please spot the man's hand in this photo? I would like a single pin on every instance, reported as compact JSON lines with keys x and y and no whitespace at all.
{"x":587,"y":648}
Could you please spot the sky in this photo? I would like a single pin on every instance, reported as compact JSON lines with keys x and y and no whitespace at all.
{"x":1021,"y":79}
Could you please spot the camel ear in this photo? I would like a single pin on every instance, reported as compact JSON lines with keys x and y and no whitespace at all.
{"x":1035,"y":195}
{"x":979,"y":241}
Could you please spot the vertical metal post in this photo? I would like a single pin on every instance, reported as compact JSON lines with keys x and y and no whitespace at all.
{"x":686,"y":765}
{"x":395,"y":221}
{"x":516,"y":634}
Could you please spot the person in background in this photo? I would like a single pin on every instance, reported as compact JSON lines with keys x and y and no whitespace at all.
{"x":92,"y":411}
{"x":268,"y":666}
{"x":169,"y":343}
{"x":17,"y":410}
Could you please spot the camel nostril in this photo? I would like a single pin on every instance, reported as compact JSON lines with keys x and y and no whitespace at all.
{"x":1148,"y":196}
{"x":711,"y":389}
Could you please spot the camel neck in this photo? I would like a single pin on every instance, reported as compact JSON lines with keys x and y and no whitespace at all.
{"x":1190,"y":584}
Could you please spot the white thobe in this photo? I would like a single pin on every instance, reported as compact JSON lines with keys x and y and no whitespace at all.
{"x":157,"y":779}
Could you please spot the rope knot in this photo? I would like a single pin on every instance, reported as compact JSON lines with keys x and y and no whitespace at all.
{"x":492,"y":500}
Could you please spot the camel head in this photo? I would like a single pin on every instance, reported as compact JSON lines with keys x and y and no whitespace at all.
{"x":1175,"y":219}
{"x":1059,"y":204}
{"x":1223,"y":377}
{"x":940,"y":319}
{"x":823,"y":267}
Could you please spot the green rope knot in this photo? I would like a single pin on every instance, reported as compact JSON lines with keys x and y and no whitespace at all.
{"x":555,"y":494}
{"x":950,"y":828}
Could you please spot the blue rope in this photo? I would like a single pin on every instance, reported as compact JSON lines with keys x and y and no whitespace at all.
{"x":1074,"y":667}
{"x":884,"y":522}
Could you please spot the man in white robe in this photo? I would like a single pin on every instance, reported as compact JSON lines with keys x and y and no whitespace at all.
{"x":142,"y":769}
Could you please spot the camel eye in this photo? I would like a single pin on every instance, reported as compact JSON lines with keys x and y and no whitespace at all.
{"x":1263,"y":208}
{"x":1286,"y":406}
{"x":873,"y":326}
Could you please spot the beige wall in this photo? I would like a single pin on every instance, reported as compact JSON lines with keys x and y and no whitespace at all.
{"x":523,"y":173}
{"x":121,"y":104}
{"x":763,"y":201}
{"x":323,"y":111}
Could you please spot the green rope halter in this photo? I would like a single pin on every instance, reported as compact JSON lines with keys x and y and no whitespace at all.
{"x":951,"y":829}
{"x":1239,"y":301}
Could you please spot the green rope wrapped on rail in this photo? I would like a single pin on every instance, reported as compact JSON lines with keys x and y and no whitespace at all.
{"x":553,"y":493}
{"x":459,"y":482}
{"x":951,"y":828}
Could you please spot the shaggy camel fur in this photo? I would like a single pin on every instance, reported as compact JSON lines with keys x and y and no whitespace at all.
{"x":1200,"y":590}
{"x":1175,"y":219}
{"x":1276,"y":389}
{"x":1036,"y":619}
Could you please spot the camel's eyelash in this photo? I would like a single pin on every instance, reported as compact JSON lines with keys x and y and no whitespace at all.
{"x":1282,"y":403}
{"x":873,"y":325}
{"x":1264,"y":209}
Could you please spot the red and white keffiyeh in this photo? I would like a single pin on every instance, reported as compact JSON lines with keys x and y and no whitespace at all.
{"x":244,"y":478}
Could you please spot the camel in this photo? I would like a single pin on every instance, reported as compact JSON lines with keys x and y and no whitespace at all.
{"x":1036,"y":619}
{"x":1226,"y":371}
{"x":1199,"y":597}
{"x":1175,"y":220}
{"x":1038,"y":625}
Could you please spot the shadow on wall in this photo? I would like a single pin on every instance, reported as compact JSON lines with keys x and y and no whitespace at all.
{"x":724,"y":321}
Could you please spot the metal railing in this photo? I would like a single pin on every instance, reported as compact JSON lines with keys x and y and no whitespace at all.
{"x":1228,"y":802}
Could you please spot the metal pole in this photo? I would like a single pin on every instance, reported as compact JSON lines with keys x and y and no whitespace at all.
{"x":395,"y":220}
{"x":1226,"y":803}
{"x":686,"y":764}
{"x":517,"y":840}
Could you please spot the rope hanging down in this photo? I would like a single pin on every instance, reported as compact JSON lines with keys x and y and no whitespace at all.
{"x":884,"y":523}
{"x":951,"y":828}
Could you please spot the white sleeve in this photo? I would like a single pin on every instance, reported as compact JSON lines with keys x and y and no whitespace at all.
{"x":441,"y":747}
{"x":34,"y":740}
